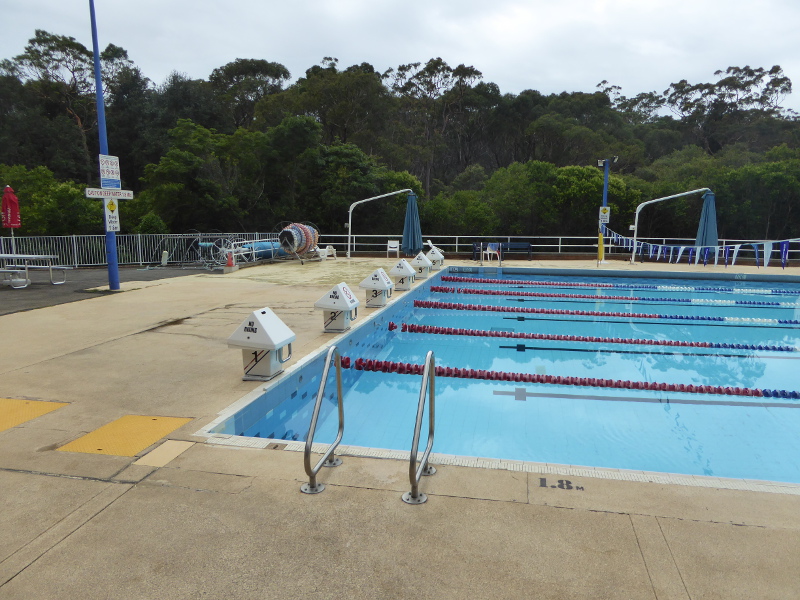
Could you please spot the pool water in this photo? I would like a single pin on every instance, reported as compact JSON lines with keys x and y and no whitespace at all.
{"x":607,"y":397}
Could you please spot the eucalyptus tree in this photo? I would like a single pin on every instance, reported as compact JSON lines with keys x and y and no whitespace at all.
{"x":245,"y":81}
{"x":731,"y":109}
{"x":60,"y":70}
{"x":433,"y":96}
{"x":352,"y":105}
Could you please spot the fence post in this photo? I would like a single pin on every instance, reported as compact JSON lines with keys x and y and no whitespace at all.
{"x":75,"y":251}
{"x":139,"y":247}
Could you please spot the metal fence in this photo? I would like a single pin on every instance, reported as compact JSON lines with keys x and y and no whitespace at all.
{"x":210,"y":248}
{"x":133,"y":249}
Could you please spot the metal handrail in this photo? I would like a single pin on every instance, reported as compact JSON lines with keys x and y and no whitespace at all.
{"x":414,"y":472}
{"x":328,"y":459}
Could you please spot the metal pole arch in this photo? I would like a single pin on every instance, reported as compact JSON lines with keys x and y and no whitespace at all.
{"x":643,"y":204}
{"x":354,"y":204}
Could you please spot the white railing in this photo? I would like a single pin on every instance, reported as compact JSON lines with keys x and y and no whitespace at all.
{"x":208,"y":248}
{"x":133,"y":249}
{"x":563,"y":245}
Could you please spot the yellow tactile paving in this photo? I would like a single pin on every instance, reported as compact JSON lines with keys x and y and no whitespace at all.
{"x":15,"y":412}
{"x":126,"y":436}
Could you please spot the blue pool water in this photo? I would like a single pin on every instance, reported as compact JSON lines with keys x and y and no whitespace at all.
{"x":746,"y":336}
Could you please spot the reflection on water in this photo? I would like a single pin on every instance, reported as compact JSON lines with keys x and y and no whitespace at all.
{"x":618,"y":428}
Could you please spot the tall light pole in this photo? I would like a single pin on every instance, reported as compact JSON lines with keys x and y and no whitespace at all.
{"x":111,"y":236}
{"x":605,"y":163}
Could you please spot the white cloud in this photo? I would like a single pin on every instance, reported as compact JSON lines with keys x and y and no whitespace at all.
{"x":570,"y":45}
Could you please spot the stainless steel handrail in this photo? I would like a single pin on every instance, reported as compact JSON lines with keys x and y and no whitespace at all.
{"x":414,"y":472}
{"x":328,"y":459}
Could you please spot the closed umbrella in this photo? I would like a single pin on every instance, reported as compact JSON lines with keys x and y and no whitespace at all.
{"x":707,"y":230}
{"x":10,"y":210}
{"x":412,"y":232}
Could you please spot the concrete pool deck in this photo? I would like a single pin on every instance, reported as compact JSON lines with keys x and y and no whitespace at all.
{"x":186,"y":519}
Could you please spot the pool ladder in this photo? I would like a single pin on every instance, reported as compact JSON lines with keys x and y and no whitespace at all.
{"x":328,"y":459}
{"x":415,"y":469}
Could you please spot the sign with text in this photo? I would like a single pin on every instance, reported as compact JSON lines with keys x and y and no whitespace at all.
{"x":109,"y":172}
{"x":605,"y":214}
{"x":112,"y":214}
{"x":97,"y":193}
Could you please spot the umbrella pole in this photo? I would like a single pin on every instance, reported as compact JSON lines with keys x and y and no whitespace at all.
{"x":13,"y":245}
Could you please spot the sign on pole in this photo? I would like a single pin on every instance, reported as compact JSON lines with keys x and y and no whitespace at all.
{"x":605,"y":214}
{"x":112,"y":214}
{"x":109,"y":172}
{"x":97,"y":193}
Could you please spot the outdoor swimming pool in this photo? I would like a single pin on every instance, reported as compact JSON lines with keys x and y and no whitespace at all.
{"x":688,"y":376}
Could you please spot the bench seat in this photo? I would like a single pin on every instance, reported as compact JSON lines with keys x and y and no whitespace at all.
{"x":516,"y":247}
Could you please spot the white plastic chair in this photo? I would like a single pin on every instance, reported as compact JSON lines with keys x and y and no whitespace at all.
{"x":393,"y":246}
{"x":492,"y":250}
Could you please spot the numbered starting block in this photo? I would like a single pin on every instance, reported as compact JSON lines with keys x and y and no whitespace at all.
{"x":422,"y":265}
{"x":436,"y":257}
{"x":262,"y":338}
{"x":403,"y":275}
{"x":339,"y":308}
{"x":379,"y":288}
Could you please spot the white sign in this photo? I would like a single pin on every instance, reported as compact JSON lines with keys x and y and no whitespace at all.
{"x":109,"y":172}
{"x":100,"y":193}
{"x":112,"y":214}
{"x":605,"y":214}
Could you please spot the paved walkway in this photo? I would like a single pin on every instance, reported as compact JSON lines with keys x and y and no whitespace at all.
{"x":186,"y":519}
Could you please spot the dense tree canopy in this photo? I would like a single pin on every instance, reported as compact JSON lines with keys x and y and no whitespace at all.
{"x":246,"y":149}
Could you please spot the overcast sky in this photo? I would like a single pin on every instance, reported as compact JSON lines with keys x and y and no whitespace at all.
{"x":546,"y":45}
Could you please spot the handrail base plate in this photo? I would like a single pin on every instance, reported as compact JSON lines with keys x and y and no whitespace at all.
{"x":409,"y":499}
{"x":308,"y":489}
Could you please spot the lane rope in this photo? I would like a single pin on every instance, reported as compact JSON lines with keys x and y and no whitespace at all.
{"x":433,"y":329}
{"x":621,"y":286}
{"x":595,"y":313}
{"x":706,"y":301}
{"x":386,"y":366}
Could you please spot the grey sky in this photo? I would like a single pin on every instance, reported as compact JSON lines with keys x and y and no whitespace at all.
{"x":550,"y":46}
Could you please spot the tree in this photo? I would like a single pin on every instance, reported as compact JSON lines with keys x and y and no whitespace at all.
{"x":130,"y":115}
{"x":243,"y":83}
{"x":61,"y":70}
{"x":726,"y":111}
{"x":185,"y":188}
{"x":351,"y":105}
{"x":49,"y":206}
{"x":464,"y":212}
{"x":343,"y":174}
{"x":151,"y":223}
{"x":433,"y":93}
{"x":520,"y":196}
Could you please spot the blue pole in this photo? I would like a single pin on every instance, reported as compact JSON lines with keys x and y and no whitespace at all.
{"x":605,"y":182}
{"x":111,"y":237}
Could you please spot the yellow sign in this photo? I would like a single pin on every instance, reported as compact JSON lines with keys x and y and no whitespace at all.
{"x":112,"y":216}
